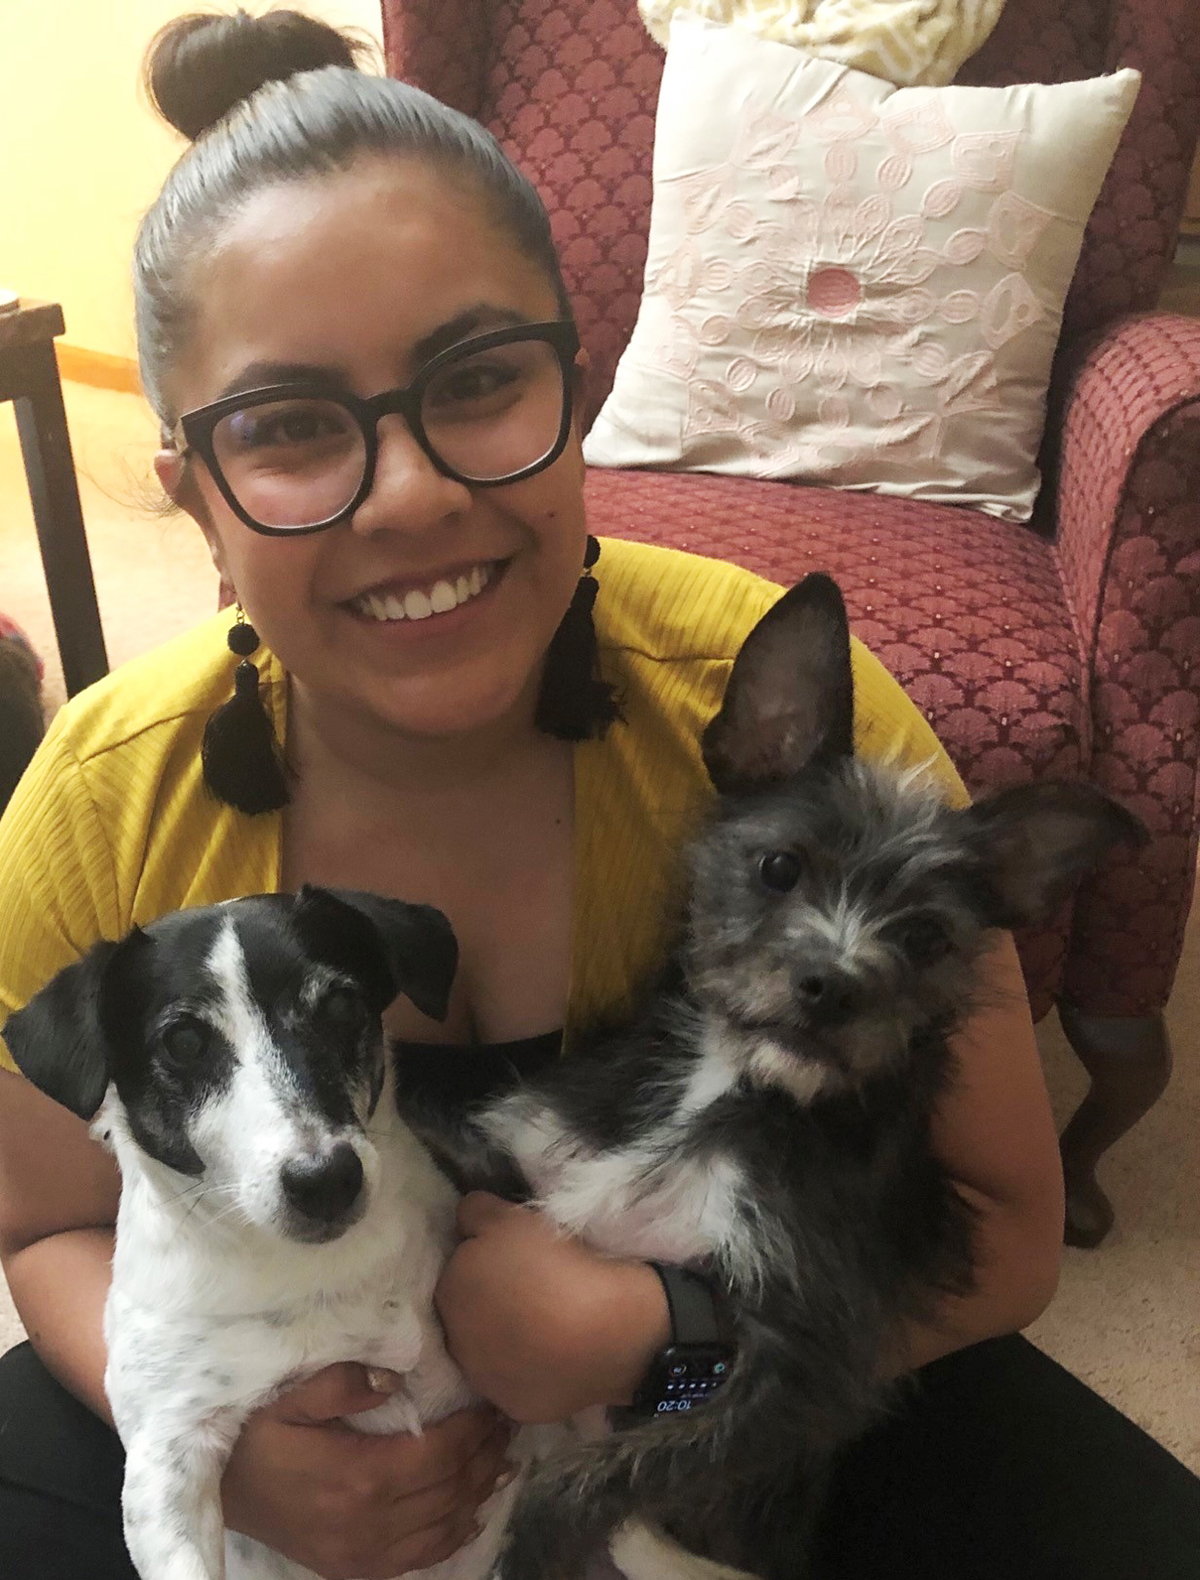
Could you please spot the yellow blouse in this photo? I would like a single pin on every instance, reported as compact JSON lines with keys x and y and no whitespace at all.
{"x":112,"y":824}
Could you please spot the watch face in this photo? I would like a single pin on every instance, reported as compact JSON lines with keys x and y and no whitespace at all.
{"x":685,"y":1376}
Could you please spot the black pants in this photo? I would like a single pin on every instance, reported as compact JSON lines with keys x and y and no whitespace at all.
{"x":1001,"y":1466}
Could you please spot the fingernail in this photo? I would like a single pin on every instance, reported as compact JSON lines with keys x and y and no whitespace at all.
{"x":380,"y":1379}
{"x":505,"y":1476}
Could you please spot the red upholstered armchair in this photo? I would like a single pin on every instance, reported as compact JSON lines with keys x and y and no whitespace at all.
{"x":1070,"y":647}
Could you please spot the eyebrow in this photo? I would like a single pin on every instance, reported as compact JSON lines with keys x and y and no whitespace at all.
{"x":482,"y":316}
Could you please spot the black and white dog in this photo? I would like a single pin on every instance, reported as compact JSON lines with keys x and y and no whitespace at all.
{"x":276,"y":1215}
{"x":767,"y":1118}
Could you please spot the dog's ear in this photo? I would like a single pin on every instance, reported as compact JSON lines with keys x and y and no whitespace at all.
{"x":790,"y":698}
{"x":58,"y":1040}
{"x":389,"y":946}
{"x":1035,"y":842}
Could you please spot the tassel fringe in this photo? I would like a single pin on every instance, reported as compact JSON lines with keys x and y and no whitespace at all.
{"x":575,"y":702}
{"x":241,"y":759}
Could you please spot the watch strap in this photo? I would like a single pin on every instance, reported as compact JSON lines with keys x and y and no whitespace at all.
{"x":691,"y":1304}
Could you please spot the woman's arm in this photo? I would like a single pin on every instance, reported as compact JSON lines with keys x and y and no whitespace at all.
{"x":58,"y":1203}
{"x":539,"y":1323}
{"x":995,"y":1133}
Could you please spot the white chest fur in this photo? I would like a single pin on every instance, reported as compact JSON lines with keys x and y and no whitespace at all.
{"x":651,"y":1198}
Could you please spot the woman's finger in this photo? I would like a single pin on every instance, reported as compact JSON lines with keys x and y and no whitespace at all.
{"x":450,"y":1457}
{"x":343,"y":1389}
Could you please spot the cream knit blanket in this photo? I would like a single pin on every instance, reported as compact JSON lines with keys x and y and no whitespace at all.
{"x":902,"y":41}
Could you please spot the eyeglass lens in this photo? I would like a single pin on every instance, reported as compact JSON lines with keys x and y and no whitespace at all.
{"x":300,"y":461}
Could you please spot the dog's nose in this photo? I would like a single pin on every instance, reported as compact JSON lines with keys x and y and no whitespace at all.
{"x":324,"y":1187}
{"x":827,"y":997}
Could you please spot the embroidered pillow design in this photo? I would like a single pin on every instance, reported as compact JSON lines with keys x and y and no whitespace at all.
{"x":855,"y":284}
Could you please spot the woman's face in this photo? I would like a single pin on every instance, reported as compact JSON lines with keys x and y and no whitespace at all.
{"x":364,"y":274}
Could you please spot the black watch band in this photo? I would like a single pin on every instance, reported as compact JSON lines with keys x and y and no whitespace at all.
{"x":700,"y":1355}
{"x":691,"y":1305}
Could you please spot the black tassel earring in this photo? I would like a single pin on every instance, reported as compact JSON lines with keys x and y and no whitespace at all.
{"x":240,"y":756}
{"x":574,"y":703}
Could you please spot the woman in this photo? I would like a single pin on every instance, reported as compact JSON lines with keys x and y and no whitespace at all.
{"x":414,"y":568}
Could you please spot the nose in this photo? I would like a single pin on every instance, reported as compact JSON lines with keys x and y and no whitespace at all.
{"x":323,"y":1188}
{"x":827,"y":996}
{"x":407,"y":490}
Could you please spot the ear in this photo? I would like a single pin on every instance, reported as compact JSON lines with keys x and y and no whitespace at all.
{"x":58,"y":1040}
{"x":179,"y":484}
{"x":790,"y":697}
{"x":169,"y":468}
{"x":389,"y":946}
{"x":580,"y":380}
{"x":580,"y":383}
{"x":1035,"y":842}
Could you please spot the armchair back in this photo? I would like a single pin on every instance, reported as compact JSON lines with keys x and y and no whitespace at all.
{"x":569,"y":87}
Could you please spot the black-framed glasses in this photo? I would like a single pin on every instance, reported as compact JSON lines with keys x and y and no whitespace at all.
{"x":301,"y":457}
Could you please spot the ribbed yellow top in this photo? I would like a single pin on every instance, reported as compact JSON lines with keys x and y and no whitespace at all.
{"x":112,"y":824}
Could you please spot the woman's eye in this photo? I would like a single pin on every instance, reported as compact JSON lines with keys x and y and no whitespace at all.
{"x":474,"y":383}
{"x":779,"y":870}
{"x":186,"y":1039}
{"x":286,"y":425}
{"x":924,"y":940}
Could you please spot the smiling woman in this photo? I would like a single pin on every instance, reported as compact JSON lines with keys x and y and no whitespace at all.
{"x":355,"y":337}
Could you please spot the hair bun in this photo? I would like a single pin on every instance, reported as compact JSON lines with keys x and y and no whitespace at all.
{"x":200,"y":66}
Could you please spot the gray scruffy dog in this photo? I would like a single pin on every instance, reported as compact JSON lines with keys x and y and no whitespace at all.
{"x":767,"y":1118}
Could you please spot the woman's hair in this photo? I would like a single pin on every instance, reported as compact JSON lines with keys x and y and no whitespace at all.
{"x":280,"y":98}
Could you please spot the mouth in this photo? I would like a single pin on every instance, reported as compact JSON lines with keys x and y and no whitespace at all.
{"x":427,"y":600}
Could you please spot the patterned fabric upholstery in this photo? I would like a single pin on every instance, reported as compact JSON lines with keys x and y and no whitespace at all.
{"x":1135,"y":223}
{"x":1128,"y":509}
{"x":1068,"y":650}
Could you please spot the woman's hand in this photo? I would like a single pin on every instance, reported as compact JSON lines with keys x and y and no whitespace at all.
{"x":538,"y":1323}
{"x":353,"y":1506}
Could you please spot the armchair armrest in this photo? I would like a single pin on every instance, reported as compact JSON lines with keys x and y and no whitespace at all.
{"x":1127,"y":508}
{"x":443,"y":46}
{"x":1128,"y":504}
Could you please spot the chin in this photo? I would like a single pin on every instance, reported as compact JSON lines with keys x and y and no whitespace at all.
{"x":440,"y":710}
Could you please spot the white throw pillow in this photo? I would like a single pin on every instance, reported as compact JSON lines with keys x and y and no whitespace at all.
{"x":902,"y":41}
{"x":852,"y":283}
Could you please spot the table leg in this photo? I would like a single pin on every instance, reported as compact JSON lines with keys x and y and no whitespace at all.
{"x":46,"y":448}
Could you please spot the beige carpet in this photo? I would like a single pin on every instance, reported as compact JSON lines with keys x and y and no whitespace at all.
{"x":1127,"y":1317}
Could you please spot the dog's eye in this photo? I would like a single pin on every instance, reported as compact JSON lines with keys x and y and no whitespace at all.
{"x":342,"y":1008}
{"x":187,"y":1039}
{"x":779,"y":870}
{"x":924,"y":940}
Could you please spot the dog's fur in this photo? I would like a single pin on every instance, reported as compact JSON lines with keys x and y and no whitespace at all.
{"x":767,"y":1118}
{"x":275,"y":1213}
{"x":20,"y":712}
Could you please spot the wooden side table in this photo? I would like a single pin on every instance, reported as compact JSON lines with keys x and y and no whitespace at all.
{"x":29,"y":378}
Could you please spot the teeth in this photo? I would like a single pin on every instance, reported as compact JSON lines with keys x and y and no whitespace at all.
{"x":443,"y":596}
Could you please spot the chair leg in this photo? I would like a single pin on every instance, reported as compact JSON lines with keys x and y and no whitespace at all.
{"x":1129,"y":1060}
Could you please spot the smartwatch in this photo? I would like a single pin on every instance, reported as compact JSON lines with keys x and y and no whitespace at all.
{"x":700,"y":1356}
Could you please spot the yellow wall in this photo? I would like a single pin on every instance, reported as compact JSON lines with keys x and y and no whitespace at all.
{"x":81,"y":153}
